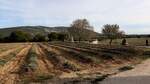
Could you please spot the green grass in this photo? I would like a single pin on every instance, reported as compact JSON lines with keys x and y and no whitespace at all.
{"x":31,"y":59}
{"x":38,"y":78}
{"x":43,"y":77}
{"x":130,"y":41}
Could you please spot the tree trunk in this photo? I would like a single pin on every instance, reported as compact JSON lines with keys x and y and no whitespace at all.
{"x":79,"y":39}
{"x":110,"y":41}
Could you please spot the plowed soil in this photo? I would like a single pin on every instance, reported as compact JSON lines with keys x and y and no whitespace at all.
{"x":46,"y":63}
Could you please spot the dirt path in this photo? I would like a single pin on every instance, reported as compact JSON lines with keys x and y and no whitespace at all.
{"x":44,"y":66}
{"x":9,"y":74}
{"x":139,"y":75}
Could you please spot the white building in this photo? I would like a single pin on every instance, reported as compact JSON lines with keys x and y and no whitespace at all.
{"x":95,"y":41}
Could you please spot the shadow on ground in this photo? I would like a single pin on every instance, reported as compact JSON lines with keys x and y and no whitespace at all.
{"x":127,"y":80}
{"x":110,"y":80}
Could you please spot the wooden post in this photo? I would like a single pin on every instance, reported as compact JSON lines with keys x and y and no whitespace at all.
{"x":147,"y":43}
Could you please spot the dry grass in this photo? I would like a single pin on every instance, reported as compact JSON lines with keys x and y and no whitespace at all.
{"x":130,"y":41}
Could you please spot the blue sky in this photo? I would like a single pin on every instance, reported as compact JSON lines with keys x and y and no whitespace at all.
{"x":133,"y":16}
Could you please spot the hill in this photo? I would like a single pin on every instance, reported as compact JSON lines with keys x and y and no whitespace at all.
{"x":33,"y":30}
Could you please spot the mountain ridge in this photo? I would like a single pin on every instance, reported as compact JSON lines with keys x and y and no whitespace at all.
{"x":33,"y":30}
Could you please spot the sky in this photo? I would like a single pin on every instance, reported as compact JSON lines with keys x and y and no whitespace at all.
{"x":133,"y":16}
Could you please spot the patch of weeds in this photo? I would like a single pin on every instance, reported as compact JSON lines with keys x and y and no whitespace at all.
{"x":38,"y":78}
{"x":94,"y":59}
{"x":43,"y":77}
{"x":107,"y":56}
{"x":32,"y":61}
{"x":2,"y":50}
{"x":68,"y":65}
{"x":99,"y":79}
{"x":10,"y":55}
{"x":5,"y":59}
{"x":74,"y":82}
{"x":2,"y":62}
{"x":146,"y":53}
{"x":125,"y":68}
{"x":79,"y":75}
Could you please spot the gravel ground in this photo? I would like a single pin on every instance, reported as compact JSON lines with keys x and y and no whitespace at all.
{"x":139,"y":75}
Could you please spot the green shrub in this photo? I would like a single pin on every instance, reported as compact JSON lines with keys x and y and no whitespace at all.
{"x":67,"y":65}
{"x":39,"y":38}
{"x":19,"y":36}
{"x":53,"y":36}
{"x":125,"y":68}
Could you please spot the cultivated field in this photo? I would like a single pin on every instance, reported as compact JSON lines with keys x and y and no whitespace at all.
{"x":59,"y":63}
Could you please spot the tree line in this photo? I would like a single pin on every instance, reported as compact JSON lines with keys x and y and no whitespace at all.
{"x":80,"y":30}
{"x":22,"y":36}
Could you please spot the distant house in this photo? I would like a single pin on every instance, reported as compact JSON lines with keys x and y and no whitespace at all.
{"x":94,"y":41}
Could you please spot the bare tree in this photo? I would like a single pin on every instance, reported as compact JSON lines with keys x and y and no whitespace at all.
{"x":81,"y":30}
{"x":82,"y":24}
{"x":112,"y":32}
